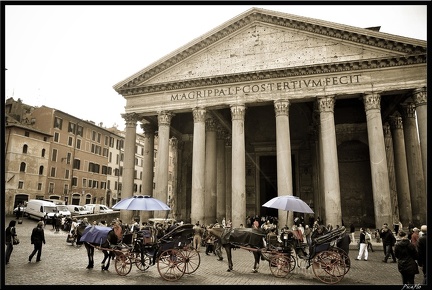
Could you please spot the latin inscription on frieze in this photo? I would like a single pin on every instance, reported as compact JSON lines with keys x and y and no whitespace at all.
{"x":290,"y":85}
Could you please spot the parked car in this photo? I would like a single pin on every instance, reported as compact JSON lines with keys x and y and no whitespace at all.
{"x":77,"y":209}
{"x":37,"y":209}
{"x":97,"y":208}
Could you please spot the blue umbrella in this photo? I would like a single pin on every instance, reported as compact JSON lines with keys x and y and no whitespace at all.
{"x":141,"y":202}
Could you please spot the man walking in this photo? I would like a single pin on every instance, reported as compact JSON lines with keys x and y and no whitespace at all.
{"x":388,"y":240}
{"x":37,"y":238}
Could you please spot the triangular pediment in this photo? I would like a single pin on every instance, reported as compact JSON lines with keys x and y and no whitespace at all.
{"x":260,"y":41}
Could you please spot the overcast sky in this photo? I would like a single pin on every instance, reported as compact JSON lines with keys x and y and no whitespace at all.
{"x":70,"y":57}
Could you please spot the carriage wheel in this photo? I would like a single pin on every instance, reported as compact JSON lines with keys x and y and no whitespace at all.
{"x":171,"y":265}
{"x":281,"y":265}
{"x":123,"y":264}
{"x":328,"y":267}
{"x":144,"y":264}
{"x":344,"y":258}
{"x":192,"y":259}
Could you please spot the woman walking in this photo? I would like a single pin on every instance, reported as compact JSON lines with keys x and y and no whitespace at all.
{"x":406,"y":254}
{"x":37,"y":238}
{"x":10,"y":232}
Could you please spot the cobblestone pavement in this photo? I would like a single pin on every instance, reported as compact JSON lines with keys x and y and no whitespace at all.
{"x":64,"y":264}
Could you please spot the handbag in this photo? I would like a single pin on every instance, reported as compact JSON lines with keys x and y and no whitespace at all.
{"x":15,"y":240}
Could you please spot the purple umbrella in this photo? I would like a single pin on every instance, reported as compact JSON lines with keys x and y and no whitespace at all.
{"x":141,"y":202}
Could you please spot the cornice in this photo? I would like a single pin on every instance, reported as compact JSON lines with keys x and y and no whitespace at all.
{"x":354,"y":65}
{"x":359,"y":36}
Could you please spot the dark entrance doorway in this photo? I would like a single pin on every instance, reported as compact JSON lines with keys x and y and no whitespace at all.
{"x":268,"y":183}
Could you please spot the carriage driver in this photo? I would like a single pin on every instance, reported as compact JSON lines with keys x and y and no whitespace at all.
{"x":198,"y":232}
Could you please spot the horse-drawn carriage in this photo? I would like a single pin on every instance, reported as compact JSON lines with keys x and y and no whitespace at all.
{"x":329,"y":263}
{"x":172,"y":253}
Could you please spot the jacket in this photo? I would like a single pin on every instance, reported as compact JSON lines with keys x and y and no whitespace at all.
{"x":406,"y":254}
{"x":9,"y":233}
{"x":37,"y":236}
{"x":387,"y":237}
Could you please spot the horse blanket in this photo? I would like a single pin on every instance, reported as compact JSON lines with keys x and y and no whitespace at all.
{"x":243,"y":237}
{"x":95,"y":234}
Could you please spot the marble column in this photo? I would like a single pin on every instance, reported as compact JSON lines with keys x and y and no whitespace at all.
{"x":128,"y":163}
{"x":414,"y":162}
{"x":378,"y":161}
{"x":198,"y":166}
{"x":173,"y":168}
{"x":210,"y":172}
{"x":388,"y":143}
{"x":148,"y":165}
{"x":238,"y":166}
{"x":420,"y":101}
{"x":331,"y":188}
{"x":228,"y":176}
{"x":401,"y":170}
{"x":220,"y":175}
{"x":162,"y":160}
{"x":283,"y":158}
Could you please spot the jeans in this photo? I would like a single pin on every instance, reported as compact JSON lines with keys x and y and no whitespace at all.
{"x":37,"y":249}
{"x":9,"y":249}
{"x":389,"y":251}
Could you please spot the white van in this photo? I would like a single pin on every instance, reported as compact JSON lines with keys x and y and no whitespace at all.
{"x":36,"y":209}
{"x":63,"y":210}
{"x":97,"y":208}
{"x":77,"y":209}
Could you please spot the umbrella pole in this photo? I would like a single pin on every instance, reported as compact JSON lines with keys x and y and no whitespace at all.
{"x":286,"y":222}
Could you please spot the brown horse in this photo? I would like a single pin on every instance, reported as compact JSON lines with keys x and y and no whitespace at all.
{"x":106,"y":237}
{"x":244,"y":238}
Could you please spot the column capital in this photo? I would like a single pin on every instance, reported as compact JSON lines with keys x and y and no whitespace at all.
{"x":326,"y":104}
{"x":281,"y":107}
{"x":238,"y":112}
{"x":372,"y":101}
{"x":386,"y":129}
{"x":408,"y":110}
{"x":395,"y":122}
{"x":199,"y":114}
{"x":420,"y":96}
{"x":148,"y":128}
{"x":211,"y":124}
{"x":131,"y":119}
{"x":164,"y":118}
{"x":173,"y":142}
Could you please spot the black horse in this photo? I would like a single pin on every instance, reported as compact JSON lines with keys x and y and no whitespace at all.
{"x":110,"y":236}
{"x":245,"y":238}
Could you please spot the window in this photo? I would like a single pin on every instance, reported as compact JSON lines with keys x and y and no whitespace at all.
{"x":25,"y":148}
{"x":54,"y":155}
{"x":110,"y":157}
{"x":76,"y":164}
{"x":23,"y":167}
{"x":103,"y":185}
{"x":43,"y":153}
{"x":135,"y":174}
{"x":41,"y":170}
{"x":70,"y":141}
{"x":51,"y":188}
{"x":20,"y":184}
{"x":106,"y":140}
{"x":68,"y":158}
{"x":67,"y":174}
{"x":74,"y":181}
{"x":53,"y":172}
{"x":78,"y":143}
{"x":104,"y":169}
{"x":71,"y":128}
{"x":58,"y":123}
{"x":39,"y":186}
{"x":111,"y":142}
{"x":80,"y":130}
{"x":95,"y":183}
{"x":84,"y":182}
{"x":109,"y":184}
{"x":90,"y":182}
{"x":93,"y":135}
{"x":27,"y":133}
{"x":56,"y":136}
{"x":66,"y":189}
{"x":99,"y":137}
{"x":135,"y":187}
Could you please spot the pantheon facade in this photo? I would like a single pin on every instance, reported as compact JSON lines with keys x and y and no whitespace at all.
{"x":270,"y":104}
